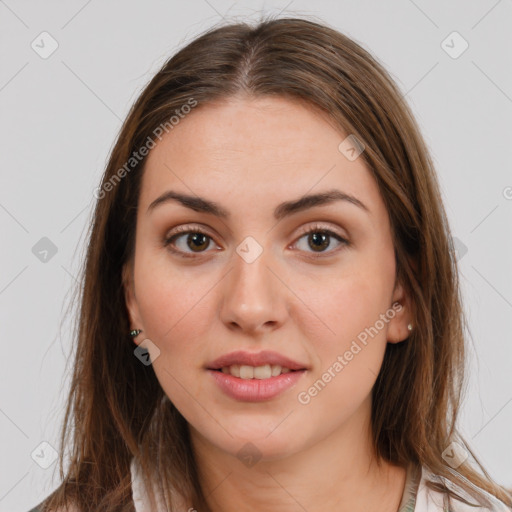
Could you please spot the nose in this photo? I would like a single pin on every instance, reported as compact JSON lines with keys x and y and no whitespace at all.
{"x":254,"y":298}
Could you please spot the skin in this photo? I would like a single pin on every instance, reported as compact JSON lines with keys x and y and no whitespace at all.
{"x":248,"y":155}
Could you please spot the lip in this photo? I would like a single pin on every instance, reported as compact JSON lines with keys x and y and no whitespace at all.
{"x":255,"y":390}
{"x":255,"y":359}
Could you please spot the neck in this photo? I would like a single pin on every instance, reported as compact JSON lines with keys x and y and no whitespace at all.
{"x":341,"y":469}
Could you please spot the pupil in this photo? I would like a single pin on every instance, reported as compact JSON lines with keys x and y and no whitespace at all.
{"x":198,"y":239}
{"x":319,"y":237}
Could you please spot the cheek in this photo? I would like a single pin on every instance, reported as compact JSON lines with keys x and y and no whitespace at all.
{"x":172,"y":304}
{"x":344,"y":311}
{"x":349,"y":360}
{"x":173,"y":310}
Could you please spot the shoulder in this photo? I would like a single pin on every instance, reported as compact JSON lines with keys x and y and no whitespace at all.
{"x":428,"y":499}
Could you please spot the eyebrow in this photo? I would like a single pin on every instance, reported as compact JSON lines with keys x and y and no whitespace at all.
{"x":200,"y":204}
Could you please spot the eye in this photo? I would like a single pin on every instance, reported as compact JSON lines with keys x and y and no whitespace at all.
{"x":320,"y":238}
{"x":189,"y":241}
{"x":186,"y":237}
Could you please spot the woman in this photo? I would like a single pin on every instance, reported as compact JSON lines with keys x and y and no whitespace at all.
{"x":270,"y":234}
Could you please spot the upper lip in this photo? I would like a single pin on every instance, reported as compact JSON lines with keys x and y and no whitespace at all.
{"x":262,"y":358}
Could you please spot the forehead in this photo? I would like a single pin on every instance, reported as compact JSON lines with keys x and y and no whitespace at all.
{"x":267,"y":149}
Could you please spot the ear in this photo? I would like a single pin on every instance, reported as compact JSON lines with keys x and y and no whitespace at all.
{"x":397,"y":327}
{"x":130,"y":299}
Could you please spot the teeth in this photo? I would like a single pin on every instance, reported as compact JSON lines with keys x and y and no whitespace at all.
{"x":276,"y":370}
{"x":246,"y":372}
{"x":262,"y":372}
{"x":254,"y":372}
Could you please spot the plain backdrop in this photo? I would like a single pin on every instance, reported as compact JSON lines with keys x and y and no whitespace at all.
{"x":61,"y":111}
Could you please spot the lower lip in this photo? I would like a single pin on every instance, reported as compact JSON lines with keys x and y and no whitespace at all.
{"x":255,"y":390}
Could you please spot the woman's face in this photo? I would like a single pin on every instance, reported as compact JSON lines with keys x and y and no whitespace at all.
{"x":258,"y":331}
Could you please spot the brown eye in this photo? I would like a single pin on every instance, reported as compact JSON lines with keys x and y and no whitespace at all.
{"x":188,"y":241}
{"x":198,"y":241}
{"x":320,"y":239}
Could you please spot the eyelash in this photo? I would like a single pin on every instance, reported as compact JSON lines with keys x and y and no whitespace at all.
{"x":182,"y":230}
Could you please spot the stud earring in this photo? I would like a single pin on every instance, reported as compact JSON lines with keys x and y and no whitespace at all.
{"x":409,"y":327}
{"x":135,"y":332}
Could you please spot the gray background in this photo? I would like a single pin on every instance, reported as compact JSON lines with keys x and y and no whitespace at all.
{"x":59,"y":118}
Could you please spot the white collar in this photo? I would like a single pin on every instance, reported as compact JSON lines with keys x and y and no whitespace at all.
{"x":140,"y":495}
{"x":431,"y":500}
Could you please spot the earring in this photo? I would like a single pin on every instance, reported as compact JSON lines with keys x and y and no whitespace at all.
{"x":409,"y":327}
{"x":135,"y":332}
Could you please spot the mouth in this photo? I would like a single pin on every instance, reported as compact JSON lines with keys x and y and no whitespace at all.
{"x":255,"y":377}
{"x":255,"y":372}
{"x":255,"y":364}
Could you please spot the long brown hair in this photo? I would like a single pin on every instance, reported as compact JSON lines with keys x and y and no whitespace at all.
{"x":117,"y":409}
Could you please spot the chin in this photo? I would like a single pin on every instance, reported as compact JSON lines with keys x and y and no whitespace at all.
{"x":257,"y":440}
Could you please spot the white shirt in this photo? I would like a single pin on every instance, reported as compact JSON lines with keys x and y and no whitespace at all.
{"x":417,"y":497}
